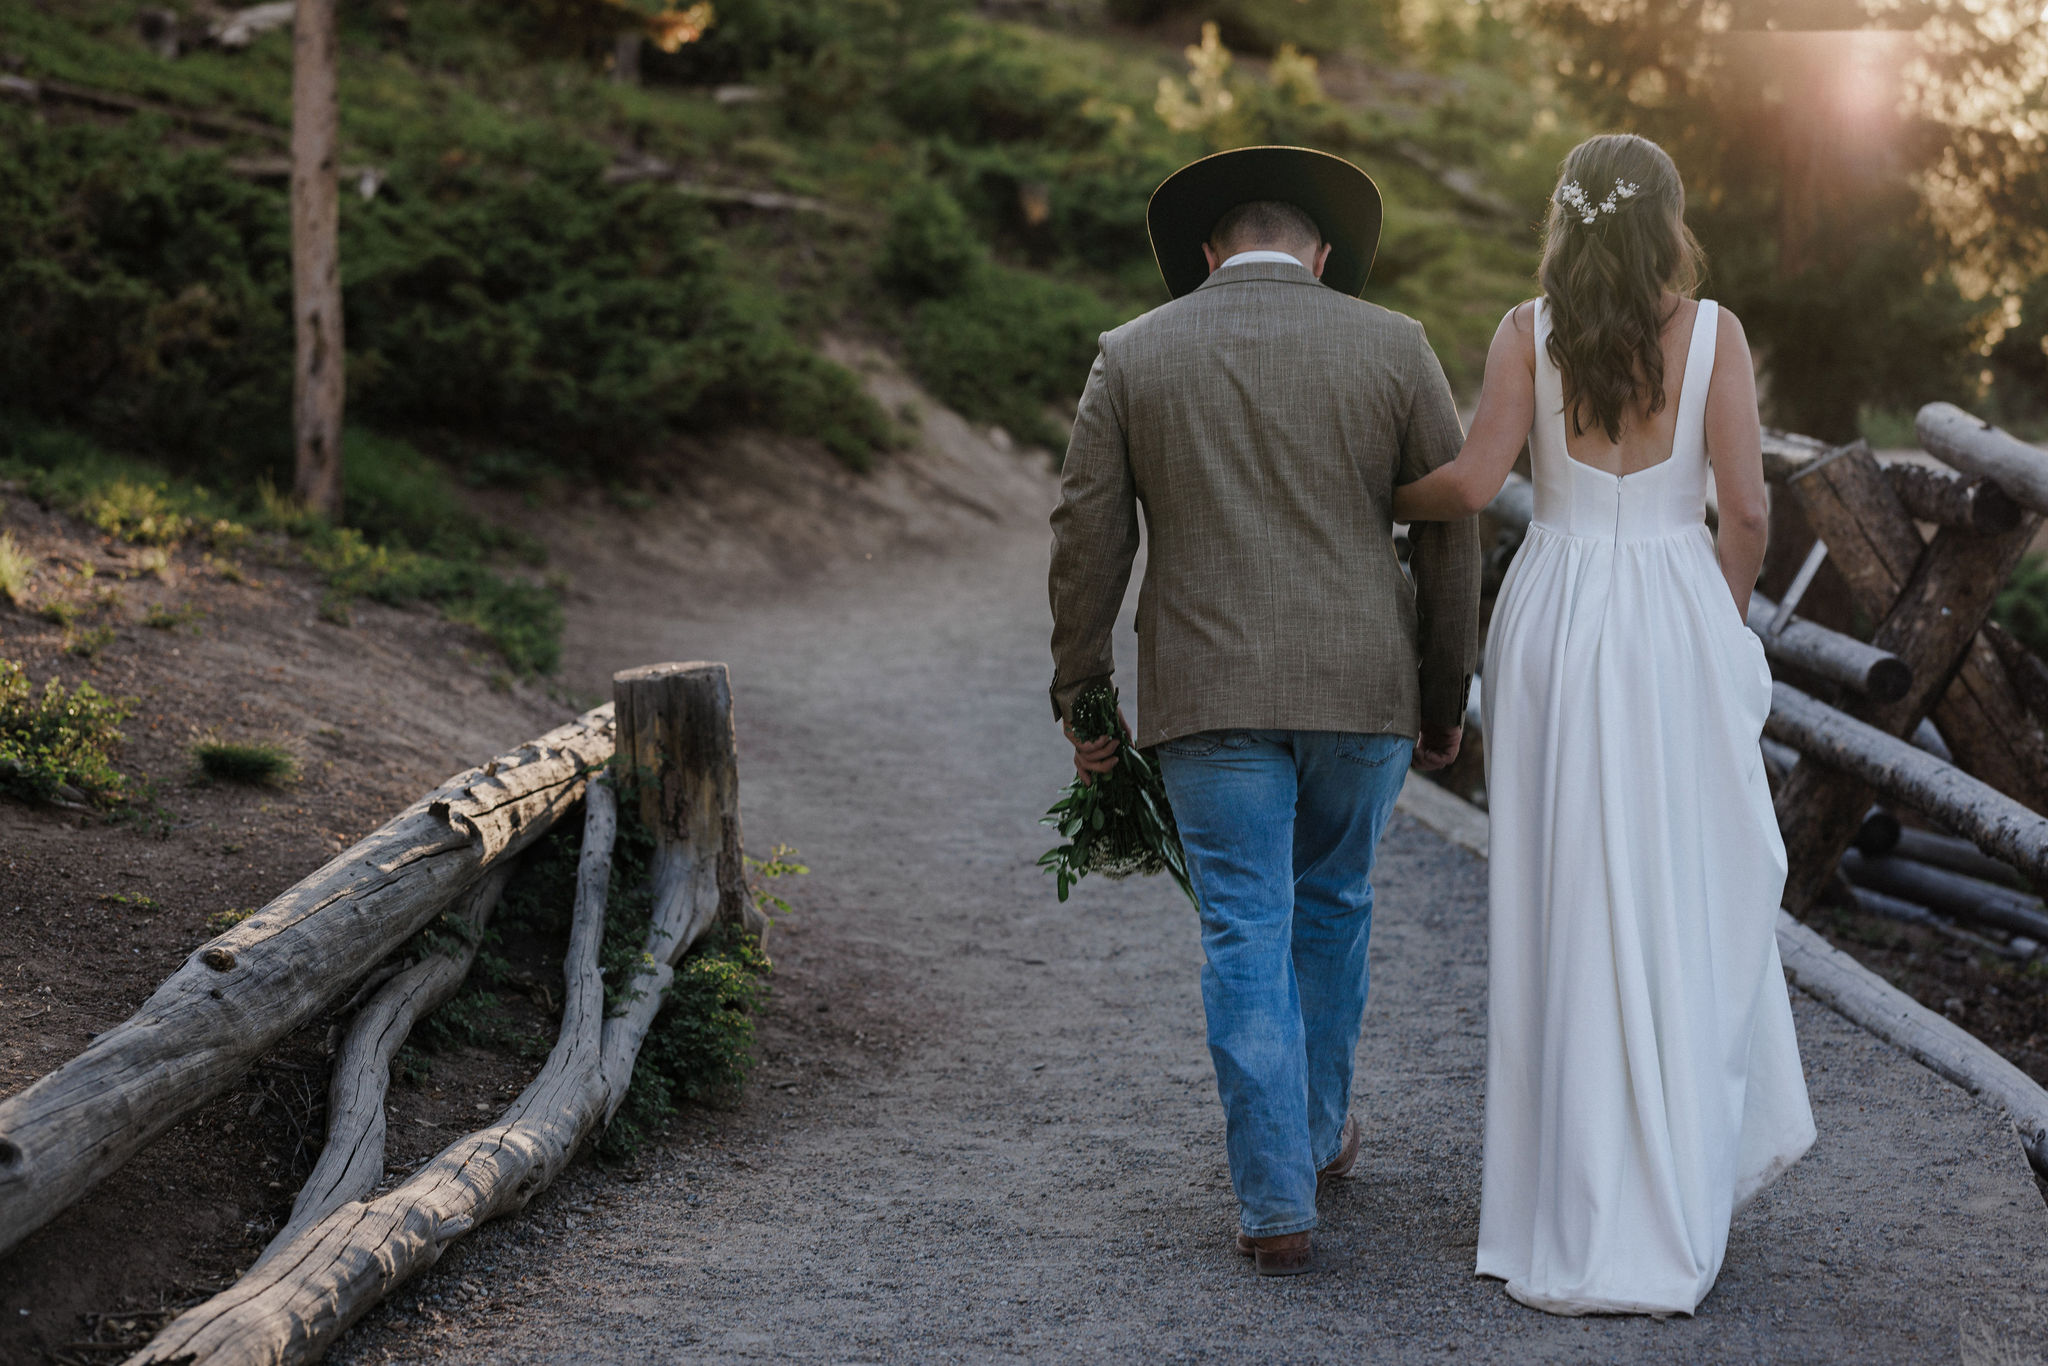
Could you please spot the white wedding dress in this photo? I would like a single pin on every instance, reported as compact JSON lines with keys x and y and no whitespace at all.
{"x":1642,"y":1075}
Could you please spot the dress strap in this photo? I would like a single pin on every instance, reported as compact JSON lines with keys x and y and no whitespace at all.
{"x":1699,"y":375}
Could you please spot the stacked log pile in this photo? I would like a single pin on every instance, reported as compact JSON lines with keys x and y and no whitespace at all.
{"x":1938,"y":713}
{"x":346,"y":934}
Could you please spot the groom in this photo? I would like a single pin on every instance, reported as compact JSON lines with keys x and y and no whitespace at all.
{"x":1287,"y":668}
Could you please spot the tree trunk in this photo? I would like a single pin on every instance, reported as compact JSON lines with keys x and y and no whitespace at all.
{"x":1787,"y":453}
{"x":242,"y":992}
{"x":316,"y":260}
{"x":1872,"y":542}
{"x":681,"y":761}
{"x":2023,"y":669}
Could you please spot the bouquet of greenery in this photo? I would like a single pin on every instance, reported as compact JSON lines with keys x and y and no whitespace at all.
{"x":1120,"y":823}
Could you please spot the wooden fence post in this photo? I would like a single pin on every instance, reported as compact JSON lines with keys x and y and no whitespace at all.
{"x":681,"y":763}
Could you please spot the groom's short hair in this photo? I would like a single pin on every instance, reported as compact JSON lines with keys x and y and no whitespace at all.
{"x":1267,"y":222}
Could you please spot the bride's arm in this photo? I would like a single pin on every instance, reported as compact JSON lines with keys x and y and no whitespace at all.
{"x":1507,"y":403}
{"x":1735,"y":446}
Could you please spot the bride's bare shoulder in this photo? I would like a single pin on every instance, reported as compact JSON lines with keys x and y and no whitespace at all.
{"x":1516,"y":336}
{"x":1729,"y":338}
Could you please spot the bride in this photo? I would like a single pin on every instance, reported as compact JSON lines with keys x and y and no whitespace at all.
{"x":1642,"y":1076}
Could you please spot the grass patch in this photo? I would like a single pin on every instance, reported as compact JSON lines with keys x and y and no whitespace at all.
{"x":523,"y":620}
{"x":253,"y":765}
{"x":88,"y":643}
{"x":58,"y":745}
{"x":174,"y":618}
{"x":17,"y":567}
{"x":414,"y":540}
{"x":220,"y":922}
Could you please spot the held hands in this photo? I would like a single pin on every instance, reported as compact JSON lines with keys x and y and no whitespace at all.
{"x":1436,"y":748}
{"x":1095,"y":756}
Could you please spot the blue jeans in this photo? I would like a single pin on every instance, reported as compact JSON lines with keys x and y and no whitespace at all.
{"x":1280,"y":827}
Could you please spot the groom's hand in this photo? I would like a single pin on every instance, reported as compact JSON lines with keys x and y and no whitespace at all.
{"x":1095,"y":756}
{"x":1437,"y":747}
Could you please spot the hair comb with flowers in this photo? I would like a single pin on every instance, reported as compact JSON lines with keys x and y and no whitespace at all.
{"x":1574,"y":198}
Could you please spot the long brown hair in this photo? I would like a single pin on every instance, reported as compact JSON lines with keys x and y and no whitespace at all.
{"x":1615,"y":241}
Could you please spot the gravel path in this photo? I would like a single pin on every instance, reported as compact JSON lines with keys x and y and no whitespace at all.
{"x":986,"y":1129}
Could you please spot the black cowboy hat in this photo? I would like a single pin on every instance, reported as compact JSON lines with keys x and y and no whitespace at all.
{"x":1341,"y":199}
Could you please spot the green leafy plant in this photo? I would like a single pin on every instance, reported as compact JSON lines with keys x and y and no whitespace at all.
{"x":17,"y":566}
{"x":1121,"y":822}
{"x":255,"y":765}
{"x":700,"y":1050}
{"x":57,"y":743}
{"x":780,"y":863}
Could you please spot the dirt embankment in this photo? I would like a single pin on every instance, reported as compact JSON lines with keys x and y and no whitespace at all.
{"x":94,"y":912}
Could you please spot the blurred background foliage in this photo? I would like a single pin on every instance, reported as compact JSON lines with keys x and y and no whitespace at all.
{"x":538,"y":287}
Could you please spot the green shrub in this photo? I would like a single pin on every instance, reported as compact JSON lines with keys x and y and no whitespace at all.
{"x":58,"y":739}
{"x":144,"y":297}
{"x":255,"y":765}
{"x":930,"y":250}
{"x":553,"y":311}
{"x":17,"y":566}
{"x":2022,"y":607}
{"x":143,"y":293}
{"x":699,"y":1050}
{"x":1008,"y":344}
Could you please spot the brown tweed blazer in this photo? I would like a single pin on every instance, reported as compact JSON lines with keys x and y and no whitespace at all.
{"x":1262,"y":422}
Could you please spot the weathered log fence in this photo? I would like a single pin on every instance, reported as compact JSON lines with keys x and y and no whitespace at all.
{"x":337,"y":938}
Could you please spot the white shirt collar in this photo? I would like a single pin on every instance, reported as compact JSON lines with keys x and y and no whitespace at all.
{"x":1245,"y":258}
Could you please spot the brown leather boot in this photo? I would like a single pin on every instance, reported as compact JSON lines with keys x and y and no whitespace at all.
{"x":1283,"y":1254}
{"x":1347,"y":1152}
